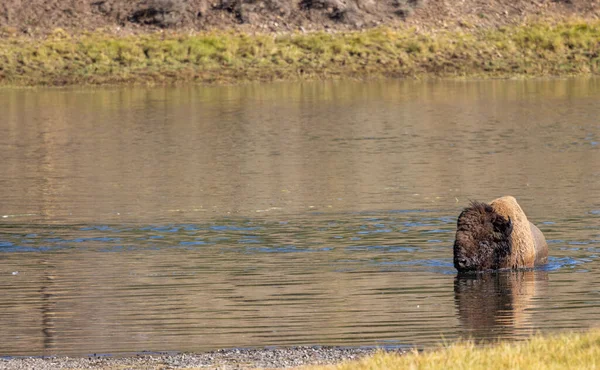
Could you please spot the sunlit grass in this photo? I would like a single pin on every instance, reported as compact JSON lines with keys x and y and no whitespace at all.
{"x":541,"y":49}
{"x":567,"y":351}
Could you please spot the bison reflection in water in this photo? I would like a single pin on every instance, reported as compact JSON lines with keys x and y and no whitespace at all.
{"x":496,"y":304}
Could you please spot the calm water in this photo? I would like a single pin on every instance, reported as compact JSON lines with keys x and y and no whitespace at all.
{"x":198,"y":218}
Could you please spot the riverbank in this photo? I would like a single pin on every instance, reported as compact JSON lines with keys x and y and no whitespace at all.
{"x":564,"y":351}
{"x":551,"y":48}
{"x":224,"y":359}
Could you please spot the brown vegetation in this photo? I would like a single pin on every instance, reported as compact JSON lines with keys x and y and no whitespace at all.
{"x":60,"y":58}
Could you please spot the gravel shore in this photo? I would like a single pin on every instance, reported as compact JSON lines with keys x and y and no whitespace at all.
{"x":222,"y":359}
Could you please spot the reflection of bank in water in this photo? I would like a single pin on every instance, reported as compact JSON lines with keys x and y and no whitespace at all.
{"x":497,"y":304}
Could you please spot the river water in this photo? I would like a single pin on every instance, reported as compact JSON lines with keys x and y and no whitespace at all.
{"x":197,"y":218}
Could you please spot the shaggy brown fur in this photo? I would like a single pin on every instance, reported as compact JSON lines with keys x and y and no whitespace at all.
{"x":482,"y":239}
{"x":495,"y":236}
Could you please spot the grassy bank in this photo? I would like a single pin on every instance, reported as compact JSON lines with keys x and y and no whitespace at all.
{"x":568,"y":48}
{"x":567,"y":351}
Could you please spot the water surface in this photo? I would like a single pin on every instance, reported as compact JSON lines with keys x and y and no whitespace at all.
{"x":198,"y":218}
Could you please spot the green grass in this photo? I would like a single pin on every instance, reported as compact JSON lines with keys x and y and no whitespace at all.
{"x":541,"y":49}
{"x":567,"y":351}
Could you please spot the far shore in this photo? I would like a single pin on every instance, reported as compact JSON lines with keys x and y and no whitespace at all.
{"x":538,"y":49}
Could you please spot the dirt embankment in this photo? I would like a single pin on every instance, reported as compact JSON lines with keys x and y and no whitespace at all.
{"x":37,"y":17}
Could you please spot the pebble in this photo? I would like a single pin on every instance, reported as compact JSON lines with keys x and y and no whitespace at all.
{"x":227,"y":359}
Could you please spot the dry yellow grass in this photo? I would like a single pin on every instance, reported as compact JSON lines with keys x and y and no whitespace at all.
{"x":566,"y":351}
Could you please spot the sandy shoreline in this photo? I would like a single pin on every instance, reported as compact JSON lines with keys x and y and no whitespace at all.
{"x":221,"y":359}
